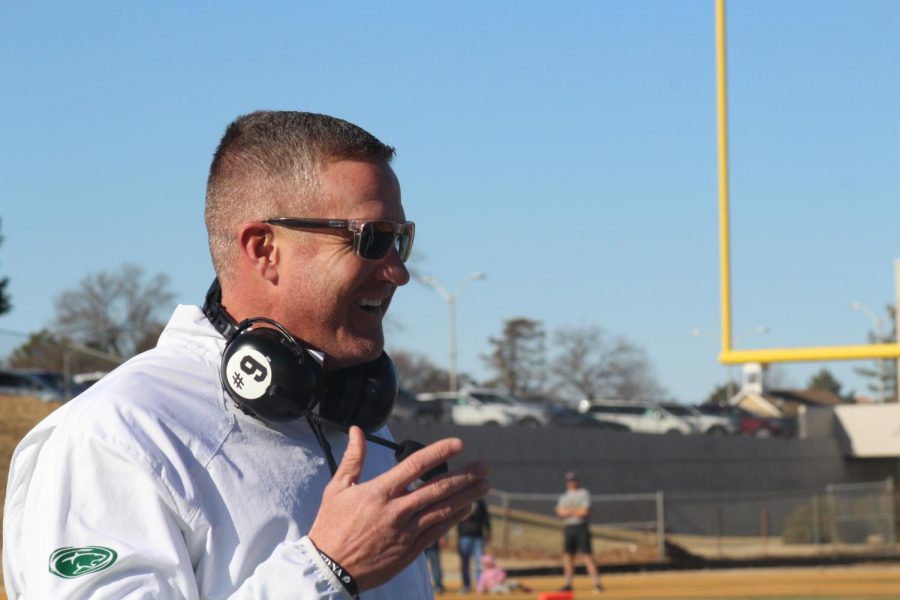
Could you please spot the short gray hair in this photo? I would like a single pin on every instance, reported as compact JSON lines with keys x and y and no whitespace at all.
{"x":269,"y":160}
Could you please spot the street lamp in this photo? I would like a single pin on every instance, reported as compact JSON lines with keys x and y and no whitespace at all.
{"x":879,"y":327}
{"x":759,"y":329}
{"x":450,"y":298}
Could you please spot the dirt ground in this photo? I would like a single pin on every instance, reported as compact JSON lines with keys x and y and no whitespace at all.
{"x":833,"y":583}
{"x":19,"y":415}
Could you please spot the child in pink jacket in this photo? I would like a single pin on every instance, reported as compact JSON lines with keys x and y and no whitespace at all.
{"x":493,"y":579}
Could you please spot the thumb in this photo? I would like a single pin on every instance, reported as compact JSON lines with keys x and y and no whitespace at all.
{"x":349,"y":470}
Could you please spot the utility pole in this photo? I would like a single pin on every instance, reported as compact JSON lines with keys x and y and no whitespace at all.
{"x":450,"y":298}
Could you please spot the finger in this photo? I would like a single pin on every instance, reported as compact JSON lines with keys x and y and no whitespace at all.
{"x":400,"y":477}
{"x":349,"y":470}
{"x":444,"y":486}
{"x":442,"y":510}
{"x":439,"y":530}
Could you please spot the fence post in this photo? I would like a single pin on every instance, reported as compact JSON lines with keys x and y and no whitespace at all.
{"x":719,"y":527}
{"x":660,"y":526}
{"x":817,"y":535}
{"x":892,"y":536}
{"x":505,"y":504}
{"x":832,"y":516}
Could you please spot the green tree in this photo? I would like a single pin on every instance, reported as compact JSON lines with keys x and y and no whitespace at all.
{"x":518,"y":359}
{"x":5,"y":303}
{"x":719,"y":395}
{"x":824,"y":380}
{"x":882,"y":374}
{"x":44,"y":350}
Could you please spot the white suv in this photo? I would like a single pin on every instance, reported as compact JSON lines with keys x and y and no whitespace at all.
{"x":638,"y":416}
{"x":703,"y":423}
{"x":481,"y":406}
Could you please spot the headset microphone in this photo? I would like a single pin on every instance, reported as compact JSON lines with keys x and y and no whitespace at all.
{"x":402,"y":451}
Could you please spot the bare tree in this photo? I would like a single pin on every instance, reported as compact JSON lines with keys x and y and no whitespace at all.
{"x":5,"y":304}
{"x":518,"y":358}
{"x":418,"y":374}
{"x":594,"y":365}
{"x":116,"y":312}
{"x":581,"y":360}
{"x":631,"y":374}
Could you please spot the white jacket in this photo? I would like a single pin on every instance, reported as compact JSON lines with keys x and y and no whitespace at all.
{"x":152,"y":485}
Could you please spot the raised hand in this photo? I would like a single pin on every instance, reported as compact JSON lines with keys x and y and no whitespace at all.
{"x":377,"y":528}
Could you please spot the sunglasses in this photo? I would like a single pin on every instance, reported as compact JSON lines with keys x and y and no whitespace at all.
{"x":372,"y":240}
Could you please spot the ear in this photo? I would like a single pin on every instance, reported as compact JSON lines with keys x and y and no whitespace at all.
{"x":258,"y":250}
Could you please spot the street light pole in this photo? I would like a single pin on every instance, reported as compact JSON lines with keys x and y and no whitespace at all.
{"x":450,"y":298}
{"x":879,"y":327}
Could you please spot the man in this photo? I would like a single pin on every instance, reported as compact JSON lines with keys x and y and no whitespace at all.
{"x":157,"y":483}
{"x":574,"y":507}
{"x":472,"y":533}
{"x":433,"y":555}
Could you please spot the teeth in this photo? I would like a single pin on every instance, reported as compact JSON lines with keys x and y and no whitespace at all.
{"x":370,"y":302}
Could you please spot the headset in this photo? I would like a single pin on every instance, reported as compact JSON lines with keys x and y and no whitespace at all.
{"x":269,"y":374}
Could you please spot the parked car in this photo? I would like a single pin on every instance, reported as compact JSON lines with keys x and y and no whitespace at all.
{"x":747,"y":423}
{"x":565,"y":416}
{"x":44,"y":385}
{"x":484,"y":406}
{"x":765,"y":427}
{"x":410,"y":409}
{"x":638,"y":416}
{"x":86,"y":380}
{"x":711,"y":424}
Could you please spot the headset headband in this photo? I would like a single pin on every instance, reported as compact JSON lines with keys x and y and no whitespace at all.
{"x":216,"y":313}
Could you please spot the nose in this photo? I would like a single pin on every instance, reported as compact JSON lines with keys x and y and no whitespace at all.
{"x":393,"y":270}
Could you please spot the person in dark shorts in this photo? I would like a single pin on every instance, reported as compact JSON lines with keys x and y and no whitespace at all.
{"x":473,"y":533}
{"x":574,"y":508}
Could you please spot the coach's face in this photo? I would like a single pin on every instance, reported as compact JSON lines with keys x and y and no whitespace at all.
{"x":330,"y":297}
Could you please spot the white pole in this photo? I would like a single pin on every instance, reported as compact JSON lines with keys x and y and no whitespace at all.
{"x":450,"y":299}
{"x":451,"y":310}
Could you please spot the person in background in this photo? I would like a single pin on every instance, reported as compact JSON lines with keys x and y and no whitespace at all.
{"x":433,"y":554}
{"x":574,"y":508}
{"x":494,"y":580}
{"x":473,"y":533}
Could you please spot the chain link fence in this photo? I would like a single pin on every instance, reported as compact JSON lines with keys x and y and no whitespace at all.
{"x":627,"y":528}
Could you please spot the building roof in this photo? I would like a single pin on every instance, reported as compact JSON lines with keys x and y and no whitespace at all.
{"x":784,"y":403}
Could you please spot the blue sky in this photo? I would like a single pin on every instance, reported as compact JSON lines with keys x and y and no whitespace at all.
{"x":565,"y":149}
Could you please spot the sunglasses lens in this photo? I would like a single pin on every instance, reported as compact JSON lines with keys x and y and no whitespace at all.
{"x":377,"y":237}
{"x":405,"y":240}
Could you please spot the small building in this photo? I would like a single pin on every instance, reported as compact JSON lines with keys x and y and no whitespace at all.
{"x":756,"y":397}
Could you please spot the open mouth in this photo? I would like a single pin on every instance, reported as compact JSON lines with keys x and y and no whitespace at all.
{"x":371,"y":304}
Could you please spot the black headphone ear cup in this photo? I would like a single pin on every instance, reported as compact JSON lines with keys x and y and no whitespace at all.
{"x":270,"y":376}
{"x":363,"y":395}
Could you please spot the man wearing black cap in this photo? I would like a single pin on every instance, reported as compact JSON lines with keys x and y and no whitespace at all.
{"x":574,"y":507}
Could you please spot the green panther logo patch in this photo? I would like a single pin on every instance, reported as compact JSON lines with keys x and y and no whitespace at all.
{"x":69,"y":563}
